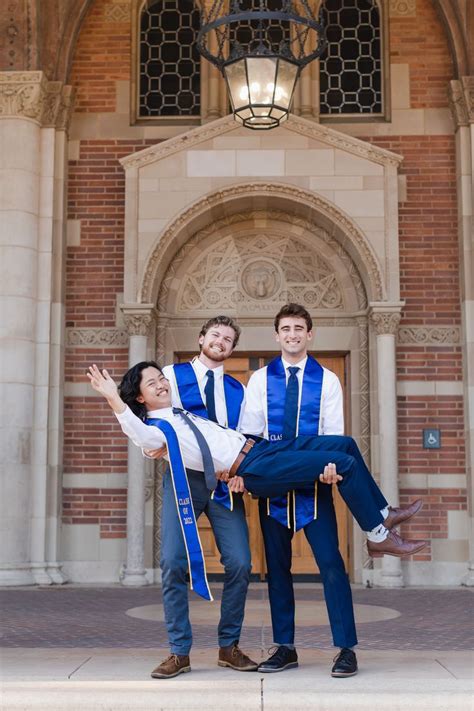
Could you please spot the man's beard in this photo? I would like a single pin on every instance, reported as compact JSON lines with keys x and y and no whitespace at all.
{"x":212,"y":355}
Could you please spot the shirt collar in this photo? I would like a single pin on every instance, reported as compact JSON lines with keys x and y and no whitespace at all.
{"x":201,"y":370}
{"x":159,"y":414}
{"x":301,"y":364}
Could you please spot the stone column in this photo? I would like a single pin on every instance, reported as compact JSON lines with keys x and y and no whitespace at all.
{"x":139,"y":319}
{"x":30,"y":110}
{"x":462,"y":106}
{"x":385,"y":320}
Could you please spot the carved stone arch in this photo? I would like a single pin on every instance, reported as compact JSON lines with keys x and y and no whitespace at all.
{"x":254,"y":261}
{"x":294,"y":201}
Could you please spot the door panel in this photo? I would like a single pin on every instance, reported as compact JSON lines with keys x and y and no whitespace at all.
{"x":241,"y":367}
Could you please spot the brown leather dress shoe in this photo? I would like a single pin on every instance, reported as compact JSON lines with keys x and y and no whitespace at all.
{"x":234,"y":658}
{"x":400,"y":514}
{"x":172,"y":666}
{"x":394,"y":545}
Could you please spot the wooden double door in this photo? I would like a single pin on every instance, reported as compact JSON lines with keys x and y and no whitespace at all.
{"x":241,"y":366}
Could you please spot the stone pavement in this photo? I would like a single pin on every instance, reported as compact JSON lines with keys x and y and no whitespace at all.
{"x":84,"y":648}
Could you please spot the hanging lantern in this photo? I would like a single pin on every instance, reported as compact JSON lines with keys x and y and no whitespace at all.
{"x":260,"y":47}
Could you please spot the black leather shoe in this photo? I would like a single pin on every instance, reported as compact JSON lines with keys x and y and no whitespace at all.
{"x":281,"y":659}
{"x":345,"y":664}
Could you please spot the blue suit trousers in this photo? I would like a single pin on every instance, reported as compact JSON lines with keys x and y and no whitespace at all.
{"x":231,"y":534}
{"x":274,"y":468}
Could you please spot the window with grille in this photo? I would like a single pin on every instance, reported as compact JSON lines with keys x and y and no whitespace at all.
{"x":169,"y":82}
{"x":351,"y":66}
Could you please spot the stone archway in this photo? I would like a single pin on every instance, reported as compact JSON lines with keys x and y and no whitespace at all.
{"x":217,"y":271}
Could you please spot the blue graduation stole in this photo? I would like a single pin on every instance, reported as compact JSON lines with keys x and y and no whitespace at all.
{"x":192,"y":401}
{"x":302,"y":501}
{"x":184,"y":505}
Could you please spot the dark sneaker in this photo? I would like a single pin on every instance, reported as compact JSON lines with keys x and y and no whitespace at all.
{"x":345,"y":663}
{"x":172,"y":666}
{"x":281,"y":659}
{"x":234,"y":658}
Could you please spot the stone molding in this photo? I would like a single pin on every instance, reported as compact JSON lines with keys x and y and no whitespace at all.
{"x":96,"y":337}
{"x":254,"y":241}
{"x":402,"y":8}
{"x":295,"y":124}
{"x":300,"y":196}
{"x":139,"y":318}
{"x":30,"y":95}
{"x":117,"y":12}
{"x":385,"y":323}
{"x":429,"y":335}
{"x":461,"y":100}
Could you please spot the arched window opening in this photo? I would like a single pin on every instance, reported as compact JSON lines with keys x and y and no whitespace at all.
{"x":169,"y":81}
{"x":351,"y":66}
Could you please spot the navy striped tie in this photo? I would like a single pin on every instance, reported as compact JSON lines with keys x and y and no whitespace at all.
{"x":290,"y":418}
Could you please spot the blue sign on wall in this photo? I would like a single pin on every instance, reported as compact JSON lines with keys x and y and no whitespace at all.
{"x":431,"y":439}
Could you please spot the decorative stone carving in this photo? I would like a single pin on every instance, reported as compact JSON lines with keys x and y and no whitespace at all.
{"x":430,"y":335}
{"x":30,"y":95}
{"x":96,"y":337}
{"x":461,"y":96}
{"x":296,"y":124}
{"x":117,"y":12}
{"x":215,"y":202}
{"x":21,"y":94}
{"x":385,"y":323}
{"x":364,"y":388}
{"x":254,"y":272}
{"x":402,"y":8}
{"x":138,"y":324}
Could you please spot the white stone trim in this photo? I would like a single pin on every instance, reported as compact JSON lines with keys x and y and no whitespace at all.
{"x":295,"y":124}
{"x":95,"y":480}
{"x":430,"y":387}
{"x":432,"y":481}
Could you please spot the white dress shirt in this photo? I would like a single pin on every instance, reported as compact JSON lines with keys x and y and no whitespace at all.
{"x":201,"y":375}
{"x":224,"y":444}
{"x":255,"y":418}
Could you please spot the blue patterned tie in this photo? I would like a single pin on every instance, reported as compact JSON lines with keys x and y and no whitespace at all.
{"x":210,"y":399}
{"x":291,"y":405}
{"x":209,"y":470}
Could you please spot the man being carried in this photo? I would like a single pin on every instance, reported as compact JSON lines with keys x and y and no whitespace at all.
{"x":269,"y":469}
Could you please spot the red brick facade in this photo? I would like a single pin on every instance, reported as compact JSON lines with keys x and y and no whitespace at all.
{"x":429,"y":264}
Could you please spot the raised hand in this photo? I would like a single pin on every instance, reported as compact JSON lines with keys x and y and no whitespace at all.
{"x":103,"y":384}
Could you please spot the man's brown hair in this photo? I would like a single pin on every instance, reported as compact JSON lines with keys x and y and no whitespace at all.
{"x":295,"y":310}
{"x":222,"y":321}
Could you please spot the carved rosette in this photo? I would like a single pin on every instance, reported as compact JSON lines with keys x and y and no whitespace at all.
{"x":461,"y":100}
{"x":385,"y":323}
{"x":30,"y":95}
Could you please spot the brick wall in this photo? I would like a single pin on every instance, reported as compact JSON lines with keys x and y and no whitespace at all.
{"x":428,"y":261}
{"x":105,"y":507}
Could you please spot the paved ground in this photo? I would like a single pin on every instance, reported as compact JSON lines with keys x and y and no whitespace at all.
{"x":93,"y":648}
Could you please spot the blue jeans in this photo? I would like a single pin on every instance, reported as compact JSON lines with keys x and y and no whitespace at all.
{"x":231,"y":534}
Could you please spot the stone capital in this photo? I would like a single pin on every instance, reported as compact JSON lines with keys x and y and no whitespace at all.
{"x":139,"y":318}
{"x":461,"y":100}
{"x":31,"y":95}
{"x":385,"y":318}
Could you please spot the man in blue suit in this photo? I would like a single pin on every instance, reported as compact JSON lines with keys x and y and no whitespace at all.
{"x":293,"y":396}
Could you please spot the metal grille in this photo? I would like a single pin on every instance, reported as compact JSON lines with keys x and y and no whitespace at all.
{"x":251,"y":33}
{"x":169,"y":61}
{"x":351,"y":67}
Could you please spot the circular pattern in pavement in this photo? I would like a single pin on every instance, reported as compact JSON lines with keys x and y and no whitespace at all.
{"x":308,"y":613}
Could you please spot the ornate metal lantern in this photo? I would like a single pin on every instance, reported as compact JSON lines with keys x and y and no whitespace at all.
{"x":260,"y":46}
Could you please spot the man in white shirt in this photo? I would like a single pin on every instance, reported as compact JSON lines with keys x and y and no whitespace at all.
{"x":268,"y":468}
{"x":201,"y":387}
{"x":314,"y":408}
